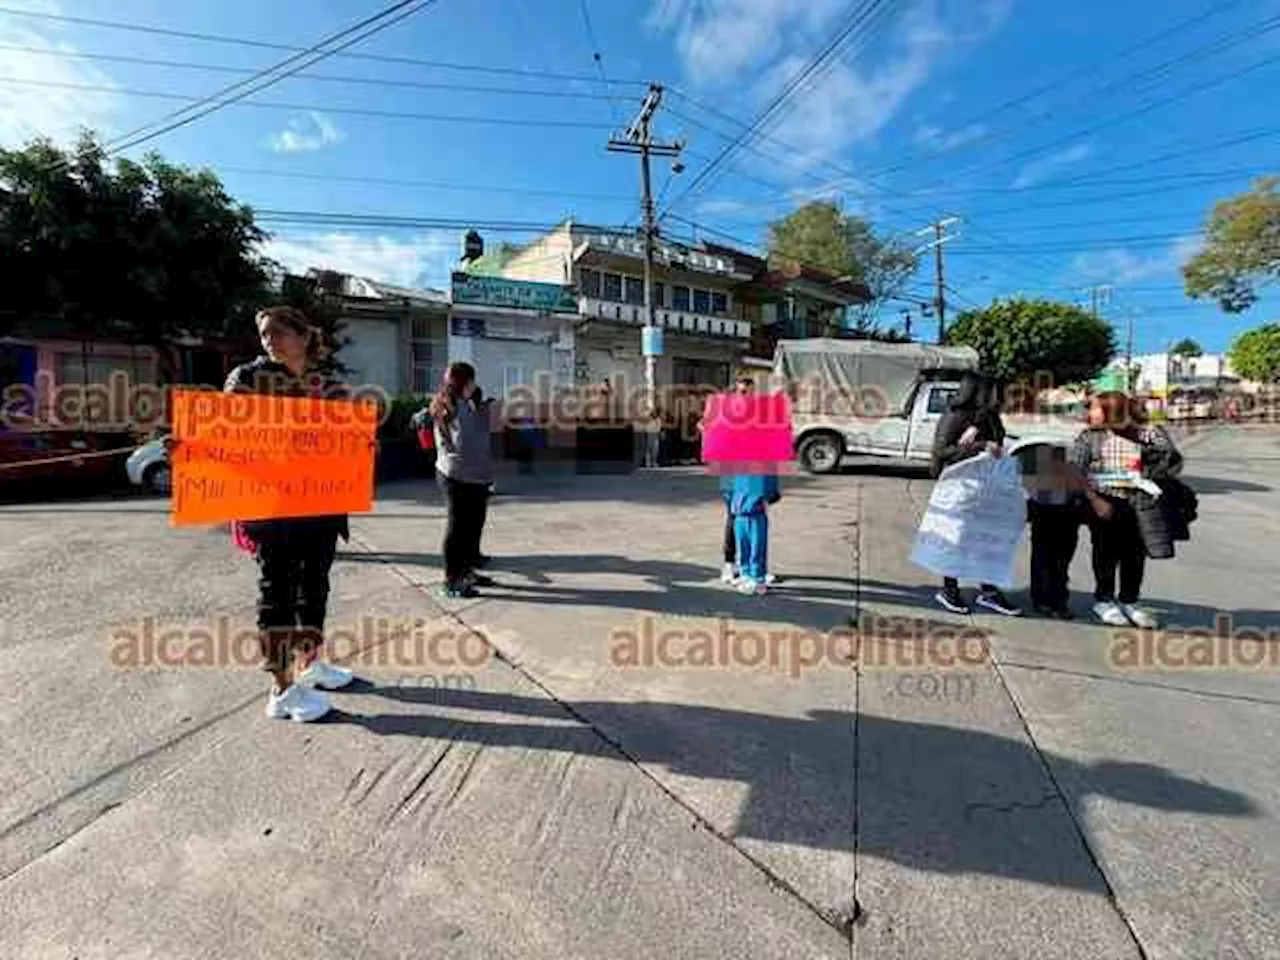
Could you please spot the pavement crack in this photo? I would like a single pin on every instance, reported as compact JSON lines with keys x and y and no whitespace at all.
{"x":971,"y":808}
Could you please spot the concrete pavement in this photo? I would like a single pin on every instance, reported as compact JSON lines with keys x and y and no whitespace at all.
{"x":562,"y":802}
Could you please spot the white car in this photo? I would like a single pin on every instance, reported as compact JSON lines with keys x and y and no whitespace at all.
{"x":148,"y":467}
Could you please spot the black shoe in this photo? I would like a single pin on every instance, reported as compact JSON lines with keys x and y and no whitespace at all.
{"x":459,"y":591}
{"x":1053,"y":613}
{"x":952,"y":600}
{"x":480,"y":580}
{"x":995,"y":600}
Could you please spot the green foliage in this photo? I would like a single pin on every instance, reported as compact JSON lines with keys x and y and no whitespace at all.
{"x":1023,"y":340}
{"x":142,"y":251}
{"x":1242,"y":249}
{"x":1255,"y":354}
{"x":821,"y":235}
{"x":395,"y":423}
{"x":1187,"y":348}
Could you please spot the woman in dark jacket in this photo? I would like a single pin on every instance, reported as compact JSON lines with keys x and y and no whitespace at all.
{"x":294,"y":554}
{"x":971,"y":426}
{"x":464,"y":464}
{"x":1117,"y":447}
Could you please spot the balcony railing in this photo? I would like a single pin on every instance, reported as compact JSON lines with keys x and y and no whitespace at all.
{"x":677,"y":321}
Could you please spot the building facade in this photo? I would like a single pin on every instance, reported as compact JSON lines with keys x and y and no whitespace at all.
{"x":1156,"y":374}
{"x":695,"y":305}
{"x":516,"y":333}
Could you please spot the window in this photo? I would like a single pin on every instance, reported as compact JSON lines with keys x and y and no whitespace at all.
{"x":590,"y":283}
{"x":613,"y":287}
{"x":680,"y":298}
{"x":940,"y":399}
{"x":659,"y":294}
{"x":633,"y":290}
{"x":719,"y":303}
{"x":701,"y":301}
{"x":513,"y":375}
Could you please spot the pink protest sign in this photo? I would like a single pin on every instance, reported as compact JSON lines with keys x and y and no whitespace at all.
{"x":747,"y":429}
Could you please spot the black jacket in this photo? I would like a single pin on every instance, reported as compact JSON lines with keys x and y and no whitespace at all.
{"x":974,"y":405}
{"x":264,"y":375}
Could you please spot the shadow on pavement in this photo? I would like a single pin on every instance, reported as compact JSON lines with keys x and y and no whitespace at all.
{"x":1215,"y":485}
{"x":930,"y":797}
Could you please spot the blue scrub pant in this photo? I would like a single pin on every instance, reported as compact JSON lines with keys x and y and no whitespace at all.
{"x":751,"y":532}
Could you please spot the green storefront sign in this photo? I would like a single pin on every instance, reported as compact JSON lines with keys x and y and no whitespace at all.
{"x":519,"y":294}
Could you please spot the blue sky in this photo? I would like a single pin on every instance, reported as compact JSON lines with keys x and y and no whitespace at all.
{"x":1080,"y":143}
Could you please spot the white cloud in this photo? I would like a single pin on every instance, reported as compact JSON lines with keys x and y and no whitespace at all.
{"x":935,"y":138}
{"x":313,"y":132}
{"x":1037,"y":170}
{"x":1120,"y":265}
{"x":717,"y":39}
{"x":421,"y":261}
{"x":28,"y":111}
{"x":757,"y":46}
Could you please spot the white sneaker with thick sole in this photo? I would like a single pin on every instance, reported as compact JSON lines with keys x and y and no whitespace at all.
{"x":728,"y":573}
{"x":1111,"y":614}
{"x":1139,"y":617}
{"x":298,"y":703}
{"x":326,"y":676}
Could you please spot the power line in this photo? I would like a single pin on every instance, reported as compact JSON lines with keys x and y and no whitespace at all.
{"x":858,"y":16}
{"x":306,"y":107}
{"x":389,"y":16}
{"x":425,"y":184}
{"x":265,"y":45}
{"x":599,"y":60}
{"x":305,"y":75}
{"x":1215,"y":9}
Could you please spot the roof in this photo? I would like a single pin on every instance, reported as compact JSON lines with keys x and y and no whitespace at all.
{"x":365,"y":288}
{"x":935,"y":356}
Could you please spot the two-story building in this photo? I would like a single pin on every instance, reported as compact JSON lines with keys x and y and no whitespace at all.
{"x":695,"y":305}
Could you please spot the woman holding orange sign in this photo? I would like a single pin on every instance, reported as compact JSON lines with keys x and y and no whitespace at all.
{"x":294,"y":554}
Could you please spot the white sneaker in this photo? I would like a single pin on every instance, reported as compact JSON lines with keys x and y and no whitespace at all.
{"x":770,"y":579}
{"x":298,"y":703}
{"x":1139,"y":617}
{"x":326,"y":676}
{"x":750,"y":587}
{"x":1111,"y":614}
{"x":728,"y":573}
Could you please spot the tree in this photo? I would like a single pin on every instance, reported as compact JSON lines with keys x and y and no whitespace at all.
{"x":1255,"y":354}
{"x":821,"y":235}
{"x":140,"y":251}
{"x":1187,"y":347}
{"x":1036,"y":340}
{"x":1242,"y":249}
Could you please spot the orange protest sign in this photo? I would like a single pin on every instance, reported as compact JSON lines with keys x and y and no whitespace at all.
{"x":246,"y":456}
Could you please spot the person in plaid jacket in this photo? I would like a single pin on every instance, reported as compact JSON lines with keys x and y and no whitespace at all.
{"x":1116,"y":450}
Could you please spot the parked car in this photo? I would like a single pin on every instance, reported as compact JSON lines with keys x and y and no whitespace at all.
{"x":41,"y":455}
{"x":149,"y":466}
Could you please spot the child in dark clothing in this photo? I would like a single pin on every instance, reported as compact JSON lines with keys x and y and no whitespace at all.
{"x":1055,"y":509}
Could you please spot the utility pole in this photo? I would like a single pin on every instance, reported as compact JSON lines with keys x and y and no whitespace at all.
{"x":638,"y":139}
{"x":1128,"y":360}
{"x":939,"y":238}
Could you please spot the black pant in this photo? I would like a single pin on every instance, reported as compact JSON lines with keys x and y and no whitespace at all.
{"x":1117,"y":544}
{"x":1055,"y":533}
{"x":294,"y":558}
{"x":468,"y":508}
{"x":952,"y":585}
{"x":730,"y":539}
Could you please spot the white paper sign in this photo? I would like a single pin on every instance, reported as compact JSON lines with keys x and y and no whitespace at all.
{"x":975,"y":520}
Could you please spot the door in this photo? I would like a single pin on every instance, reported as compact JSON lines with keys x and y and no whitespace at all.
{"x":931,"y":402}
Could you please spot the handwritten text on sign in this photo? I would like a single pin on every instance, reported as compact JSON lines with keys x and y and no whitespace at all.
{"x":256,"y":457}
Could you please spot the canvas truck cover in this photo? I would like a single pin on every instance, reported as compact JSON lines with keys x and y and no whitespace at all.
{"x":851,"y":367}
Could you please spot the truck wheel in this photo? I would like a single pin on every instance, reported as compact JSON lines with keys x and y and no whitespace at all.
{"x":158,"y":479}
{"x":821,"y":452}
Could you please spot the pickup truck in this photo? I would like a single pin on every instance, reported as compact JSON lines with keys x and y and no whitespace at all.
{"x":863,"y":398}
